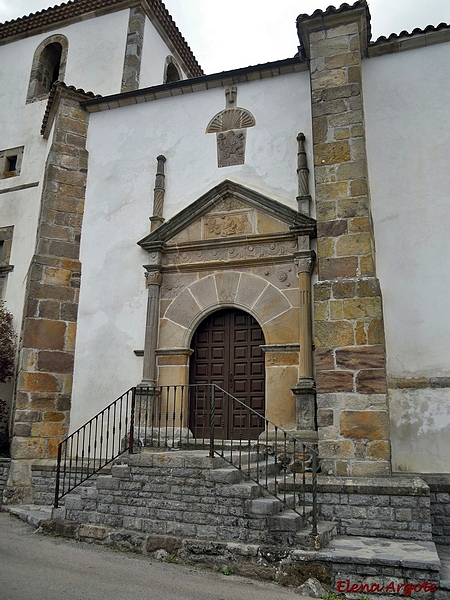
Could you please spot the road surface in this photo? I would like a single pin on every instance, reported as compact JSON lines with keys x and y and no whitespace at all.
{"x":38,"y":567}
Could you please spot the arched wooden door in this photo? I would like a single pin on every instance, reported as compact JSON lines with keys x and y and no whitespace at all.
{"x":227,"y":352}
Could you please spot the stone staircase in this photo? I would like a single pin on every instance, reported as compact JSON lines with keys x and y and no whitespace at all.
{"x":188,"y":494}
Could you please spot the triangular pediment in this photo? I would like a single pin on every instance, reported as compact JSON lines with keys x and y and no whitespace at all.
{"x":226,"y":211}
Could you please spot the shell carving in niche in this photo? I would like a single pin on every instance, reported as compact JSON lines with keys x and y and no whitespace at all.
{"x":231,"y":118}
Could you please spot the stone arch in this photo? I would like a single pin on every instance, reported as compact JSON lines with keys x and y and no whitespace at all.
{"x":229,"y":289}
{"x":172,"y":71}
{"x":49,"y":65}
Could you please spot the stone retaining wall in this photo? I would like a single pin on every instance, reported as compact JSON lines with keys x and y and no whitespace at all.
{"x":377,"y":507}
{"x":440,"y":507}
{"x":4,"y":472}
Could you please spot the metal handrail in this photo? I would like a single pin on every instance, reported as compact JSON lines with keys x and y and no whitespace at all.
{"x":186,"y":417}
{"x":239,"y":445}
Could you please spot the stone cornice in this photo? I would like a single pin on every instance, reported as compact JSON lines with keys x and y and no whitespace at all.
{"x":197,"y":84}
{"x":80,"y":10}
{"x":302,"y":223}
{"x":410,"y":41}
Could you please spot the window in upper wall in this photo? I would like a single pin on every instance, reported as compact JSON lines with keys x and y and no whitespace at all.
{"x":6,"y":234}
{"x":11,"y":162}
{"x":49,"y":65}
{"x":172,"y":71}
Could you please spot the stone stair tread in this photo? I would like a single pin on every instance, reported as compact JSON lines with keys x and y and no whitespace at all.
{"x":30,"y":513}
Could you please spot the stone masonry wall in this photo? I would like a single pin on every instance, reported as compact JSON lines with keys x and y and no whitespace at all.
{"x":397,"y":508}
{"x":352,"y":415}
{"x":4,"y":472}
{"x":44,"y":384}
{"x":166,"y":494}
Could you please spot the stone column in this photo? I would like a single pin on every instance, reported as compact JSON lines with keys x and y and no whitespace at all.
{"x":352,"y":410}
{"x":154,"y":280}
{"x":158,"y":194}
{"x":305,"y":389}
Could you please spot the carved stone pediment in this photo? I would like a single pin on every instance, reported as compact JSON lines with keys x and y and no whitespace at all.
{"x":227,"y":211}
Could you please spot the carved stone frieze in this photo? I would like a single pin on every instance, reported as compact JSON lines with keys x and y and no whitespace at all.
{"x":229,"y":253}
{"x":226,"y":225}
{"x":228,"y":203}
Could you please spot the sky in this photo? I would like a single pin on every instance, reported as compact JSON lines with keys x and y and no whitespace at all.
{"x":236,"y":33}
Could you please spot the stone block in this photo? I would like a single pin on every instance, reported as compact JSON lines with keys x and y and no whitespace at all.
{"x":336,"y":449}
{"x":38,"y":382}
{"x":106,"y":482}
{"x":360,"y":334}
{"x":44,"y":333}
{"x":325,"y":417}
{"x":168,"y":543}
{"x":371,"y":381}
{"x":270,"y":304}
{"x":325,"y":247}
{"x":378,"y":450}
{"x":49,"y":309}
{"x":331,"y":191}
{"x":334,"y":381}
{"x":333,"y":334}
{"x":359,"y":308}
{"x":366,"y":266}
{"x":370,"y":469}
{"x":332,"y":228}
{"x":375,"y":331}
{"x":332,"y":153}
{"x":326,"y":79}
{"x":369,"y":425}
{"x":353,"y":244}
{"x":342,"y":60}
{"x":335,"y":268}
{"x":353,"y":207}
{"x":322,"y":290}
{"x":55,"y":362}
{"x":120,"y":471}
{"x":95,"y":532}
{"x":326,"y":211}
{"x":53,"y":430}
{"x":324,"y":359}
{"x":344,"y":289}
{"x":54,"y":416}
{"x":321,"y":311}
{"x":361,"y":357}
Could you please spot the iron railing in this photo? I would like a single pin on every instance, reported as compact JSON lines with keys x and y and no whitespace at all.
{"x":192,"y":417}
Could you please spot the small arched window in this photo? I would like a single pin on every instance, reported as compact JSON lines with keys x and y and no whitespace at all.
{"x":49,"y":65}
{"x":172,"y":71}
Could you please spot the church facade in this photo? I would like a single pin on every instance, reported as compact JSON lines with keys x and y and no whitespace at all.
{"x":303,"y":202}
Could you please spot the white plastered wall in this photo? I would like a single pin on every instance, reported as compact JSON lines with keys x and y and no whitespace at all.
{"x":406,"y":98}
{"x":123,"y":146}
{"x":154,"y":54}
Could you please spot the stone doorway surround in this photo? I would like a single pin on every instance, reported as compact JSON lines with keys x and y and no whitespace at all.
{"x":232,"y":248}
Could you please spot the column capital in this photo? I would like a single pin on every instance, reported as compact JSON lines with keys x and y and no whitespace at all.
{"x":153,"y":275}
{"x":304,"y":261}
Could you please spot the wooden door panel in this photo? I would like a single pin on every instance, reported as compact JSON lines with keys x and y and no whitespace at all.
{"x":227,"y":353}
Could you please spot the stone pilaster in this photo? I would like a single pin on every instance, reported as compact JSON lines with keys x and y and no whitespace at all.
{"x":305,"y":389}
{"x":154,"y":279}
{"x":348,"y":321}
{"x":46,"y":353}
{"x":133,"y":50}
